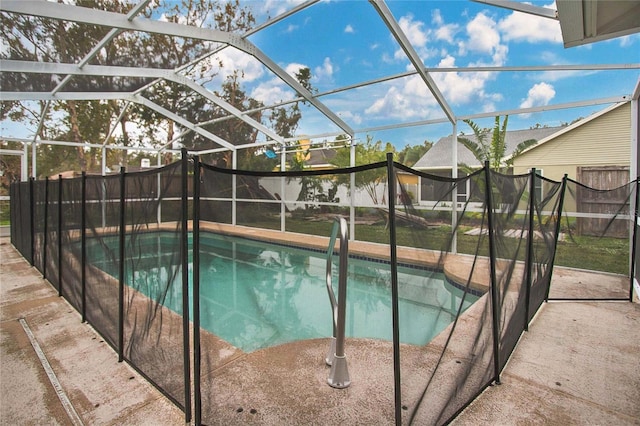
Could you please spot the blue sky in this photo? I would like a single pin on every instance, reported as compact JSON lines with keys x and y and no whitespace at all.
{"x":345,"y":42}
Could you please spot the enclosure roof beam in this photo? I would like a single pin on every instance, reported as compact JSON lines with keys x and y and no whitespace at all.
{"x":19,"y":96}
{"x":115,"y":124}
{"x":636,"y":92}
{"x":544,"y":12}
{"x":116,"y":20}
{"x":183,"y":122}
{"x":225,"y":105}
{"x":302,"y":91}
{"x":64,"y":96}
{"x":116,"y":71}
{"x":85,"y":15}
{"x":105,"y":40}
{"x":414,"y":58}
{"x":254,"y":30}
{"x":565,"y":105}
{"x":86,"y":145}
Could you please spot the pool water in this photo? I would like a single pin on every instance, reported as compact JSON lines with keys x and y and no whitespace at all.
{"x":256,"y":295}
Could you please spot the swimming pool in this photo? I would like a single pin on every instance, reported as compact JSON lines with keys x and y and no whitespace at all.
{"x":256,"y":295}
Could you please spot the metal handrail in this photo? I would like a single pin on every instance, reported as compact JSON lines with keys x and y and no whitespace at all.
{"x":336,"y":358}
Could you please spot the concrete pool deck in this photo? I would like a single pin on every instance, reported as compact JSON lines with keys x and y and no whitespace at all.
{"x":578,"y":364}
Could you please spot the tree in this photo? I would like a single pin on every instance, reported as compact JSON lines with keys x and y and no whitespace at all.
{"x":366,"y":153}
{"x":284,"y":121}
{"x":494,"y":150}
{"x":46,"y":40}
{"x":411,"y":154}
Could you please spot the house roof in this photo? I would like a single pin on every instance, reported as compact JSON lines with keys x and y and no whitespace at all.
{"x":439,"y":156}
{"x":585,"y":22}
{"x":317,"y":157}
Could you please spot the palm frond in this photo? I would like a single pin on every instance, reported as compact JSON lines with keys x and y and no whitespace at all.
{"x":519,"y":149}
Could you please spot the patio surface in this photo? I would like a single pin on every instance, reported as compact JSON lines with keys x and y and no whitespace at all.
{"x":578,"y":364}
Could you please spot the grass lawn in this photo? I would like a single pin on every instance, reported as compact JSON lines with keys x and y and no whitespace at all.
{"x":593,"y":253}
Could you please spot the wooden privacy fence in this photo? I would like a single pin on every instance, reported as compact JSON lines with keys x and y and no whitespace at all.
{"x":606,"y":203}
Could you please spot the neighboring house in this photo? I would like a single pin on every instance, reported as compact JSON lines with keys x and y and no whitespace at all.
{"x":437,"y":160}
{"x":601,"y":141}
{"x":315,"y":157}
{"x":320,"y":158}
{"x":595,"y":151}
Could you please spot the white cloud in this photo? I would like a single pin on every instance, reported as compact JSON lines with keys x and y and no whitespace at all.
{"x":532,"y":29}
{"x":291,"y":28}
{"x":540,"y":94}
{"x":483,"y":35}
{"x":436,"y":17}
{"x":325,"y":71}
{"x":293,"y":68}
{"x":271,"y":92}
{"x":413,"y":30}
{"x":628,"y":40}
{"x":444,"y":32}
{"x":461,"y":88}
{"x":350,"y":117}
{"x":484,"y":39}
{"x":233,"y":59}
{"x":418,"y":37}
{"x":349,"y":29}
{"x":447,"y":32}
{"x":406,"y":100}
{"x":410,"y":98}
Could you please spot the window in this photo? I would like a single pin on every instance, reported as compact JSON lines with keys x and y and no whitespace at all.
{"x":537,"y":185}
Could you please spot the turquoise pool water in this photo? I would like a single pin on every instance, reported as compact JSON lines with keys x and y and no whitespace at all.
{"x":255,"y":295}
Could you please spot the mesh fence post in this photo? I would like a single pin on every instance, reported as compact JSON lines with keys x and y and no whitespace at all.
{"x":184,"y":260}
{"x":83,"y":246}
{"x":12,"y":213}
{"x":121,"y":246}
{"x":394,"y":289}
{"x":495,"y":308}
{"x":59,"y":260}
{"x":46,"y":228}
{"x":632,"y":261}
{"x":196,"y":291}
{"x":558,"y":227}
{"x":530,"y":237}
{"x":32,"y":221}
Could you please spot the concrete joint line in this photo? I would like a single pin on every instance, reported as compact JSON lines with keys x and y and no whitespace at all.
{"x":68,"y":407}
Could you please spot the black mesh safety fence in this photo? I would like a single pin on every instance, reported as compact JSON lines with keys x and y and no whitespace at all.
{"x":20,"y":215}
{"x":509,"y":200}
{"x":262,"y":298}
{"x":116,"y":248}
{"x":52,"y":226}
{"x":102,"y":208}
{"x":544,"y":222}
{"x":154,"y":313}
{"x":444,"y":275}
{"x":14,"y":227}
{"x":39,"y":205}
{"x":597,"y":224}
{"x":14,"y":197}
{"x":70,"y":241}
{"x":454,"y":362}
